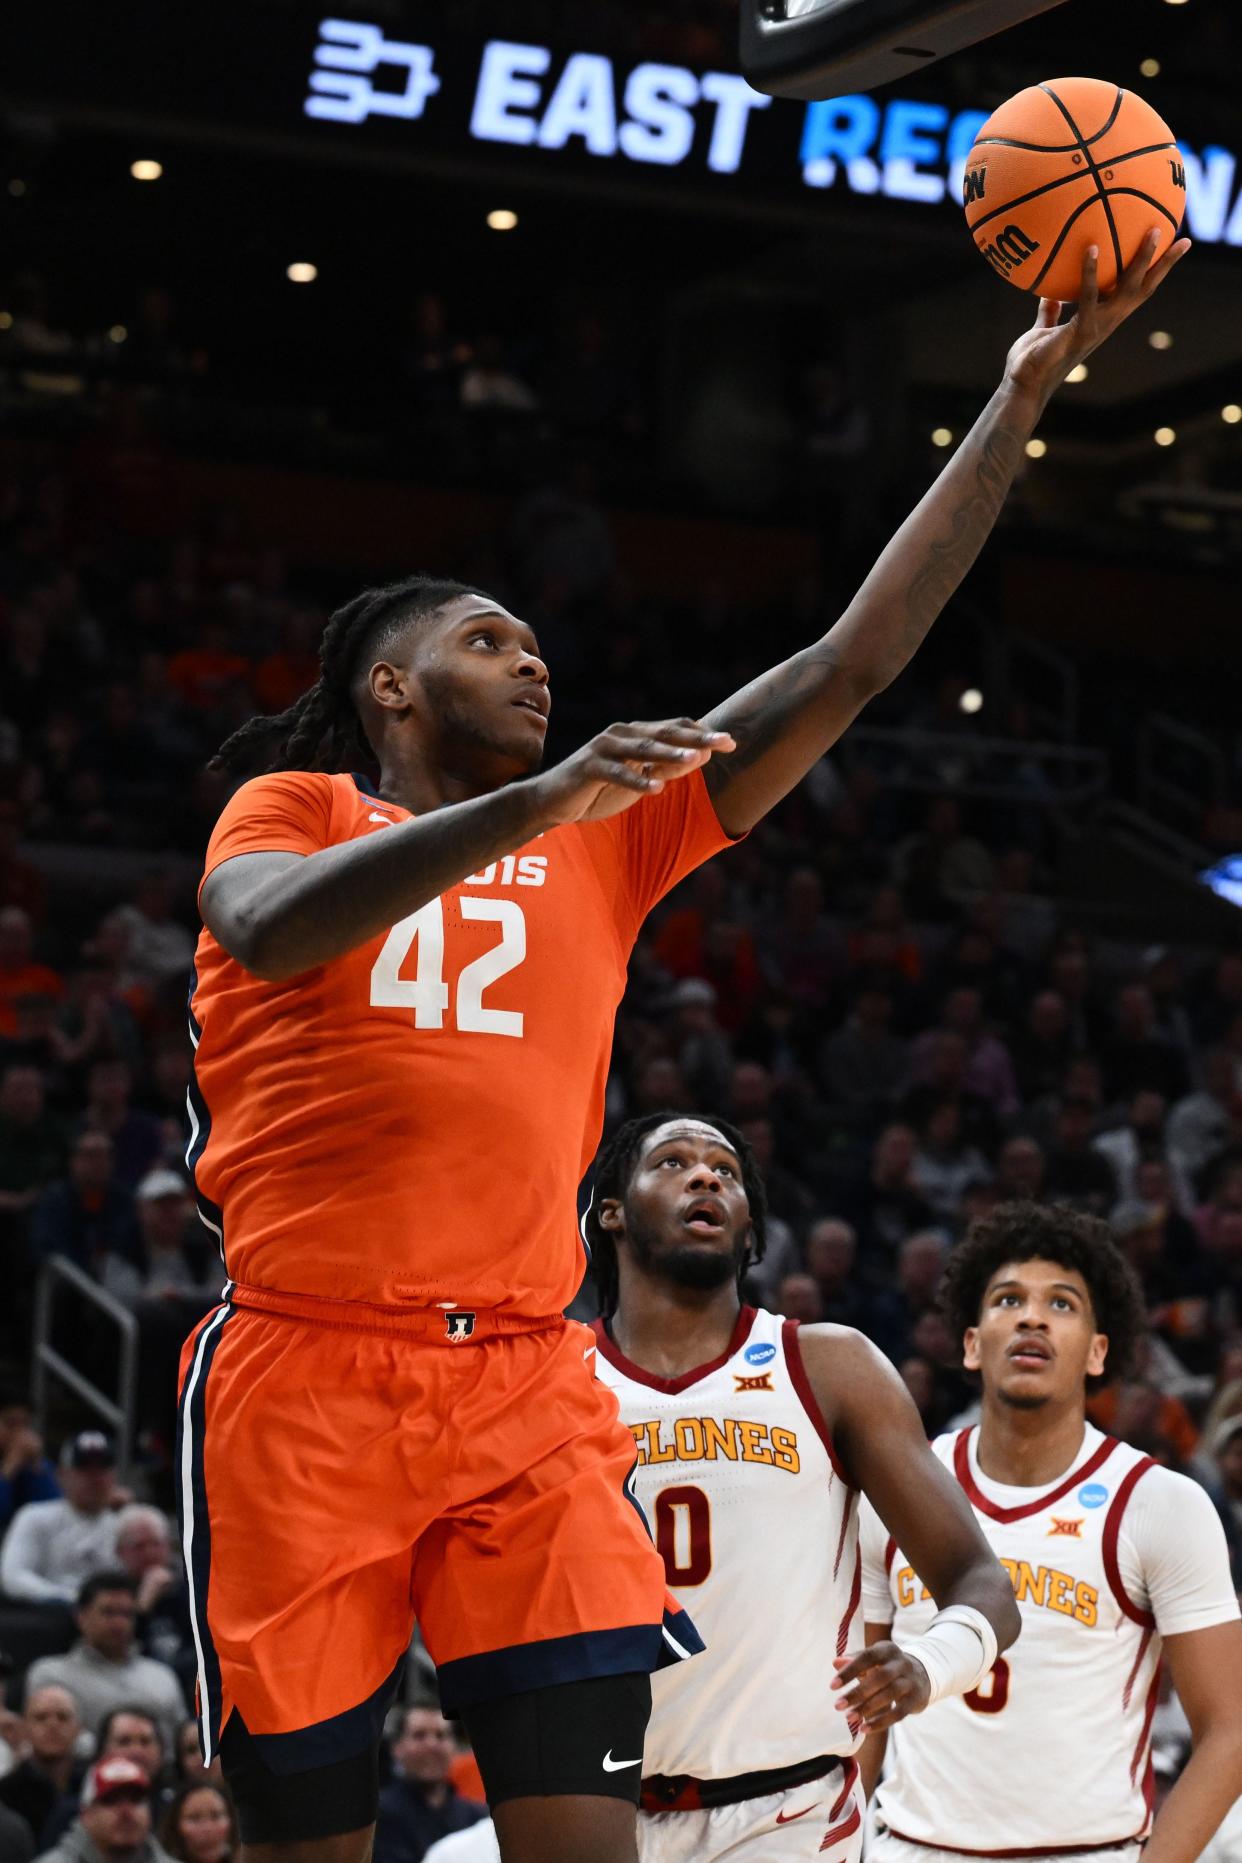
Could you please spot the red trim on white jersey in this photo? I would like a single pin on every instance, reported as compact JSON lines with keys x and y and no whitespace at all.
{"x":1149,"y":1713}
{"x":1108,"y":1545}
{"x":1040,"y":1850}
{"x":636,"y":1374}
{"x":1132,"y":1678}
{"x":890,"y":1553}
{"x":806,"y":1396}
{"x":1045,"y":1498}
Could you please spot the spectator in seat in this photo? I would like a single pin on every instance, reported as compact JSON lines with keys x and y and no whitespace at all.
{"x":897,"y":1311}
{"x":798,"y":1298}
{"x":160,"y":950}
{"x":136,"y":1136}
{"x":802,"y":949}
{"x":1021,"y":1170}
{"x":113,"y":1824}
{"x":26,"y":1475}
{"x":1043,"y":1046}
{"x":831,"y":1255}
{"x":1077,"y":1173}
{"x":1137,"y":1055}
{"x":144,"y":1549}
{"x":420,"y":1805}
{"x":87,"y":1215}
{"x":103,"y":1670}
{"x":51,"y":1770}
{"x":54,"y":1546}
{"x":20,"y":972}
{"x":1205,"y":1121}
{"x":946,"y":1162}
{"x":32,"y":1150}
{"x":887,"y":1204}
{"x":943,"y":869}
{"x":1140,"y":1137}
{"x":863,"y":1064}
{"x":135,"y":1735}
{"x":188,"y":1768}
{"x":200,"y":1825}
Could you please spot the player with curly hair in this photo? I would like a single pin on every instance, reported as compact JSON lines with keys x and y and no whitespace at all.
{"x":1117,"y":1562}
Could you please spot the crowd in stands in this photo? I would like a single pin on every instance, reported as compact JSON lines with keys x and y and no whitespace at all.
{"x":880,"y":988}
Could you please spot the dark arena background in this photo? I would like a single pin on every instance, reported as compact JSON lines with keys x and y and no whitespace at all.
{"x":545,"y":297}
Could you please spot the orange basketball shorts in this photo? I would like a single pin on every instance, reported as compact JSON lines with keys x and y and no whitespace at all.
{"x":338,"y":1484}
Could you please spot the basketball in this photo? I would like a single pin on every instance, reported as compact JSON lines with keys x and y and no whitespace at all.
{"x":1065,"y":165}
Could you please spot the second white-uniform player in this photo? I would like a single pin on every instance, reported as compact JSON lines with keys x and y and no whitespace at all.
{"x":1115,"y":1561}
{"x":754,"y":1438}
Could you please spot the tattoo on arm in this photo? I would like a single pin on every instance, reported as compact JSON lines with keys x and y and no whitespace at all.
{"x":759,"y":714}
{"x":949,"y":558}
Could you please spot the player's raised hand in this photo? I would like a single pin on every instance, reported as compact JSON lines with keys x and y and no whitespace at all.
{"x":623,"y":764}
{"x":1041,"y":359}
{"x":880,"y":1685}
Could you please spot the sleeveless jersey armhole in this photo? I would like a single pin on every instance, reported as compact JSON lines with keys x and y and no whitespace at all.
{"x":806,"y":1396}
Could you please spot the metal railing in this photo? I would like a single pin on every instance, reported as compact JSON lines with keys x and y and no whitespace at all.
{"x":1181,"y":772}
{"x":118,"y":1413}
{"x":1035,"y":775}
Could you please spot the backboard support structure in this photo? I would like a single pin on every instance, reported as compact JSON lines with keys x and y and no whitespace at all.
{"x":826,"y":48}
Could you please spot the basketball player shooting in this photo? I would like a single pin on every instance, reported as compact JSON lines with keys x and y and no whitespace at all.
{"x":402,"y":1013}
{"x":755,"y":1438}
{"x":1115,"y":1560}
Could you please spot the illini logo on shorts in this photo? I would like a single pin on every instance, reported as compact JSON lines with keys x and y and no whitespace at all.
{"x":459,"y":1325}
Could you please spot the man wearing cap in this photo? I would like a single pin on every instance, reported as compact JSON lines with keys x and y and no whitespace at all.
{"x":114,"y":1822}
{"x":103,"y":1670}
{"x":53,"y":1546}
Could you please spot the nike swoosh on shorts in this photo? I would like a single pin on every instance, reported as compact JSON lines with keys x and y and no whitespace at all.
{"x":793,"y":1816}
{"x":612,"y":1765}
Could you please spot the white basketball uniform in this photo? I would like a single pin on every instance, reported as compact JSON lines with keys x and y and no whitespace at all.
{"x":1051,"y":1754}
{"x":758,"y":1529}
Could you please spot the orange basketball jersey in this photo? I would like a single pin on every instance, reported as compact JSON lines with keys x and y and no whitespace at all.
{"x":407,"y":1125}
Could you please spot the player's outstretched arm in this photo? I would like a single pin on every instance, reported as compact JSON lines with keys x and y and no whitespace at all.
{"x":280,"y":914}
{"x":879,"y":1436}
{"x":786,"y":719}
{"x":1206,"y":1668}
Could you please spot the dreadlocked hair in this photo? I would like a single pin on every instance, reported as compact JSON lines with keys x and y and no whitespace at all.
{"x":614,"y":1168}
{"x":323,"y":729}
{"x":1024,"y":1231}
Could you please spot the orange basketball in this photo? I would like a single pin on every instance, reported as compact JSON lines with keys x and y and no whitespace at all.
{"x":1065,"y":165}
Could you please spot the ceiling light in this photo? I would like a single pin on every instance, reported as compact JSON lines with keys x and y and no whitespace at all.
{"x":118,"y":333}
{"x":1035,"y":449}
{"x":17,"y":189}
{"x":1165,"y":436}
{"x":301,"y":272}
{"x":1231,"y":413}
{"x":146,"y":171}
{"x":1150,"y":67}
{"x":941,"y":436}
{"x":502,"y":219}
{"x":1160,"y":339}
{"x":1078,"y":373}
{"x":971,"y":700}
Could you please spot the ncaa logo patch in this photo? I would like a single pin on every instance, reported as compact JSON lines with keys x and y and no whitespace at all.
{"x":1093,"y":1495}
{"x":759,"y":1354}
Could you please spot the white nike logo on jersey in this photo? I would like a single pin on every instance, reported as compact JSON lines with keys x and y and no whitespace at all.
{"x":586,"y":1355}
{"x":385,"y":819}
{"x":612,"y":1765}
